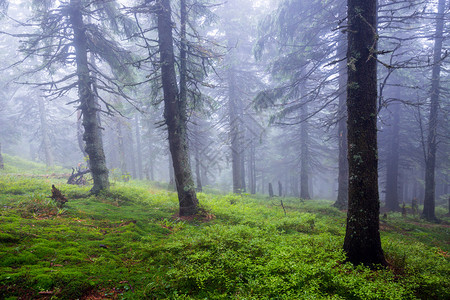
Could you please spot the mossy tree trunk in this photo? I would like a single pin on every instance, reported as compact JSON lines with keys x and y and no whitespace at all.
{"x":175,"y":114}
{"x":430,"y":160}
{"x":88,"y":103}
{"x":362,"y":242}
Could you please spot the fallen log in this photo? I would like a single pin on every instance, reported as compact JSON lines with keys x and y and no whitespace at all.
{"x":77,"y":178}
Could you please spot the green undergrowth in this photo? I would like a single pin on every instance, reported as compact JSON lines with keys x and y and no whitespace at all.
{"x":17,"y":165}
{"x":129,"y":244}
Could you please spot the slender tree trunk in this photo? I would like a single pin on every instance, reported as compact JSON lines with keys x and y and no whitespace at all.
{"x":401,"y":186}
{"x":121,"y":147}
{"x":138,"y":146}
{"x":294,"y":183}
{"x":430,"y":163}
{"x":392,"y":184}
{"x":251,"y":169}
{"x":196,"y":145}
{"x":342,"y":198}
{"x":235,"y":129}
{"x":2,"y":165}
{"x":175,"y":112}
{"x":243,"y":185}
{"x":362,"y":242}
{"x":44,"y":131}
{"x":80,"y":132}
{"x":130,"y":151}
{"x":304,"y":157}
{"x":88,"y":104}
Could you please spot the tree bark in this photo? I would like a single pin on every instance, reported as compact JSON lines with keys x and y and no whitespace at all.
{"x":342,"y":197}
{"x":392,"y":184}
{"x":44,"y":131}
{"x":430,"y":160}
{"x":175,"y":114}
{"x":88,"y":103}
{"x":362,"y":242}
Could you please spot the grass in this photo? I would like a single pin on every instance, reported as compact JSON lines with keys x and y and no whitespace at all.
{"x":127,"y":244}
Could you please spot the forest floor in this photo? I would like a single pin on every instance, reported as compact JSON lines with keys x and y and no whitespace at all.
{"x":129,"y":244}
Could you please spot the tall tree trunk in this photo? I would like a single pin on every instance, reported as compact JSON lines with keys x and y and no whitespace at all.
{"x":175,"y":112}
{"x":44,"y":131}
{"x":362,"y":242}
{"x":304,"y":156}
{"x":2,"y":165}
{"x":392,"y":185}
{"x":138,"y":146}
{"x":196,"y":144}
{"x":130,"y":151}
{"x":251,"y":169}
{"x":88,"y":104}
{"x":294,"y":183}
{"x":121,"y":147}
{"x":430,"y":162}
{"x":235,"y":129}
{"x":342,"y":197}
{"x":243,"y":185}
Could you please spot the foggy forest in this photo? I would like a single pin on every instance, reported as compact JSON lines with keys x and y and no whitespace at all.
{"x":224,"y":149}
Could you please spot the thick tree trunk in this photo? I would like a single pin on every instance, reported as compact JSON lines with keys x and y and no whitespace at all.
{"x":430,"y":162}
{"x":392,"y":184}
{"x":304,"y":156}
{"x":88,"y":104}
{"x":138,"y":146}
{"x":45,"y":135}
{"x":175,"y":115}
{"x":2,"y":165}
{"x":362,"y":242}
{"x":342,"y":197}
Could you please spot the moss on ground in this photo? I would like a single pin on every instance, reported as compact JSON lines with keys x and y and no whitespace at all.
{"x":127,"y":244}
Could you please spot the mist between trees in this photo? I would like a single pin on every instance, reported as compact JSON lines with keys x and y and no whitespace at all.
{"x":347,"y":101}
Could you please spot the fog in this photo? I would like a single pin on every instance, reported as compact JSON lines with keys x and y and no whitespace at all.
{"x":265,"y":88}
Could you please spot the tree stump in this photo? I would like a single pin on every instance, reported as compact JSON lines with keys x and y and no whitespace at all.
{"x":58,"y":196}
